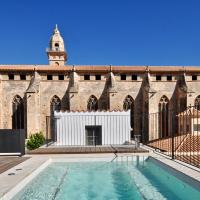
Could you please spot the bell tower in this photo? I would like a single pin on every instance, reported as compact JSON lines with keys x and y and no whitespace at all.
{"x":56,"y":52}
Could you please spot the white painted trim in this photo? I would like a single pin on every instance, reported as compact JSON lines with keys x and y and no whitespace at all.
{"x":10,"y":154}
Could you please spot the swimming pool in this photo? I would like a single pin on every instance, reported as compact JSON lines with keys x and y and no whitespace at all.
{"x":140,"y":178}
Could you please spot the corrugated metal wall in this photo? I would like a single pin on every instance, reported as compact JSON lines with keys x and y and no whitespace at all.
{"x":70,"y":126}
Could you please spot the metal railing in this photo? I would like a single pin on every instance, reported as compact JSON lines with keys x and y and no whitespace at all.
{"x":176,"y":135}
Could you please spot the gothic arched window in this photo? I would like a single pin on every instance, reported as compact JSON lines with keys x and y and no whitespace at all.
{"x":55,"y":104}
{"x":92,"y":104}
{"x":128,"y":104}
{"x":197,"y":102}
{"x":163,"y":116}
{"x":18,"y":113}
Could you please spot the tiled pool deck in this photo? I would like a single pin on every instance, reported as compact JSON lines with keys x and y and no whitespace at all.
{"x":26,"y":169}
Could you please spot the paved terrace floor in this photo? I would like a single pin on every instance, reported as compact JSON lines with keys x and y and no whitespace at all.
{"x":87,"y":150}
{"x":9,"y":162}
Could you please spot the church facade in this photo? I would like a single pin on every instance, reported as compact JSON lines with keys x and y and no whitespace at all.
{"x":30,"y":93}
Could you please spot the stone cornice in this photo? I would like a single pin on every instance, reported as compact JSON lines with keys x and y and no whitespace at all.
{"x":101,"y":69}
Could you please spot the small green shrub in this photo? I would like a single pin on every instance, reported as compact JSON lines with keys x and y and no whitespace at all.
{"x":35,"y":141}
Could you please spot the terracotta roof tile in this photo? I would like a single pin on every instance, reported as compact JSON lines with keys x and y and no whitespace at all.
{"x":89,"y":68}
{"x":17,"y":67}
{"x":101,"y":68}
{"x":166,"y":68}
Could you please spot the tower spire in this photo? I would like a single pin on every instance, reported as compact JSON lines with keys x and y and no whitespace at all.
{"x":56,"y":29}
{"x":56,"y":51}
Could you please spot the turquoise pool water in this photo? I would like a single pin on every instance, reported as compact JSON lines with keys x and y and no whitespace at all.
{"x":138,"y":179}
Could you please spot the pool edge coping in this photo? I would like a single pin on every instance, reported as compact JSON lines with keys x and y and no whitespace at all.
{"x":188,"y":179}
{"x":52,"y":158}
{"x":14,"y":190}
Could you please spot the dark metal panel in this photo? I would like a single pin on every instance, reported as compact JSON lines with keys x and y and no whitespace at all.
{"x":12,"y":141}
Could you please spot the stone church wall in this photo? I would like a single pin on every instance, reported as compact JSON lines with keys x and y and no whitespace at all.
{"x":37,"y":102}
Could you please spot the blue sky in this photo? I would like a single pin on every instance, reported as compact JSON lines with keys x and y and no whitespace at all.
{"x":98,"y":32}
